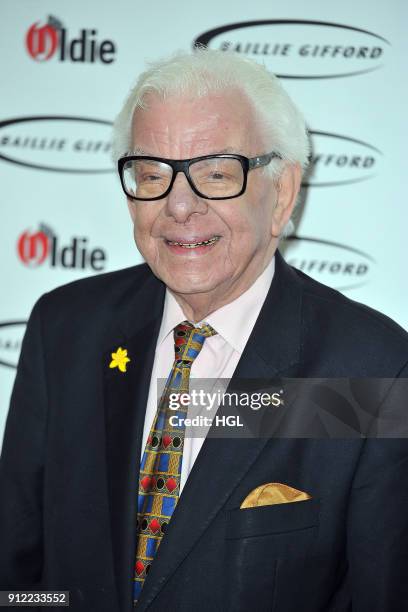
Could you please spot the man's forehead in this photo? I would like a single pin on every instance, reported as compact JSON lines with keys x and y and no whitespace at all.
{"x":221,"y":121}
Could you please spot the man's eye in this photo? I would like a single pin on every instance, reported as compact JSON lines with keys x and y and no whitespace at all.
{"x":151,"y":178}
{"x":216,"y":176}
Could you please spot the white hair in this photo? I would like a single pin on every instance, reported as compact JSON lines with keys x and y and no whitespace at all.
{"x":204,"y":71}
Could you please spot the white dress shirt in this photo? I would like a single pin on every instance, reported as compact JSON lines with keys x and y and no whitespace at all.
{"x":217,"y":359}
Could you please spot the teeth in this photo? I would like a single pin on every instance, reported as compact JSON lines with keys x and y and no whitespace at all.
{"x":193,"y":245}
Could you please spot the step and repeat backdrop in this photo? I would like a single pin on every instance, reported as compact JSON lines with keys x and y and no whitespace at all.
{"x":66,"y":68}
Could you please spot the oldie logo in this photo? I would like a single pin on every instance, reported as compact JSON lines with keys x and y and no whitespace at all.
{"x":11,"y":337}
{"x":57,"y":143}
{"x":34,"y":248}
{"x":341,"y":160}
{"x":299,"y":49}
{"x":51,"y":39}
{"x":337,"y":265}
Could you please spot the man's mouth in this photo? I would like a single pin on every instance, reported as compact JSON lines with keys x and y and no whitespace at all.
{"x":193,"y":245}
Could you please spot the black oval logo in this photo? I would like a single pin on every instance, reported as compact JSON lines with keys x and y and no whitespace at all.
{"x":341,"y":160}
{"x":340,"y":266}
{"x":11,"y":337}
{"x":300,"y":49}
{"x":57,"y":143}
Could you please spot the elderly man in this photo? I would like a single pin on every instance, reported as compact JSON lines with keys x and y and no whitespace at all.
{"x":100,"y":494}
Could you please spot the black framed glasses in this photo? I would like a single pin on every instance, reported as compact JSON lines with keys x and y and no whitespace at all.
{"x":213,"y":177}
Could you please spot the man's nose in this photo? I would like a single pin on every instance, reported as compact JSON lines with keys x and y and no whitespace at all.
{"x":182,"y":202}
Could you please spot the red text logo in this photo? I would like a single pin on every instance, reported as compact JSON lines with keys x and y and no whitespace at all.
{"x":33,"y":248}
{"x":41,"y":42}
{"x":54,"y":40}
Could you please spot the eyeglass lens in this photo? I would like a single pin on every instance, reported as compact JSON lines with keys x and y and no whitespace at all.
{"x":217,"y":177}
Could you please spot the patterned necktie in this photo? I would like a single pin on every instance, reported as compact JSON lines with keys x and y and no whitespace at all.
{"x":160,"y":469}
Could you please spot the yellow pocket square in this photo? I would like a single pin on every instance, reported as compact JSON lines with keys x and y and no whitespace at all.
{"x":273,"y":493}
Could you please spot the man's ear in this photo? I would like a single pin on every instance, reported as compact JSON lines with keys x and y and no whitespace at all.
{"x":287,"y":189}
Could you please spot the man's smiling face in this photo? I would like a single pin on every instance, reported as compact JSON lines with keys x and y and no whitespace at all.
{"x":239,"y":229}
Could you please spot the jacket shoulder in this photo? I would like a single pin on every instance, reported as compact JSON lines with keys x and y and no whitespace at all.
{"x":100,"y":289}
{"x":93,"y":302}
{"x":358,"y":330}
{"x":344,"y":306}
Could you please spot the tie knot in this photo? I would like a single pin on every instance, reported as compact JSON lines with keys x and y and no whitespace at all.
{"x":189,"y":340}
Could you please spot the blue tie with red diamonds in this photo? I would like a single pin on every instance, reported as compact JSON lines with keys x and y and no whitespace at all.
{"x":160,"y":469}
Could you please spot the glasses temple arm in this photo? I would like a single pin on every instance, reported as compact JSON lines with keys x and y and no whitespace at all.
{"x":263,"y":160}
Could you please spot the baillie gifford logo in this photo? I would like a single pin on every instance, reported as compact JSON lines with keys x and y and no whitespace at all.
{"x":53,"y":40}
{"x":36,"y":248}
{"x":302,"y":49}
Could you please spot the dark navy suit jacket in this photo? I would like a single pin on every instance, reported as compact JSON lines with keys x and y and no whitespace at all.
{"x":70,"y":459}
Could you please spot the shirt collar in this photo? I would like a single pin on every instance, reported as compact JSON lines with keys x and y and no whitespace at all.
{"x":234,"y":321}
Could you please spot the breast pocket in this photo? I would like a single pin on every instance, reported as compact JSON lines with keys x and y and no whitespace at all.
{"x":256,"y":539}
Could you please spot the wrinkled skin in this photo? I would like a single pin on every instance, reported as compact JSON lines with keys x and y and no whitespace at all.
{"x":206,"y":278}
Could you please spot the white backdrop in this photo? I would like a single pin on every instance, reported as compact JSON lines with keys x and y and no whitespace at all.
{"x":66,"y":68}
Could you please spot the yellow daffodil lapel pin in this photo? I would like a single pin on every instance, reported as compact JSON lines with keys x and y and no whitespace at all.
{"x":120,"y":359}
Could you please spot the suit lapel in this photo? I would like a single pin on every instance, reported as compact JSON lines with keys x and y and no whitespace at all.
{"x":272,"y":349}
{"x":136,"y":329}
